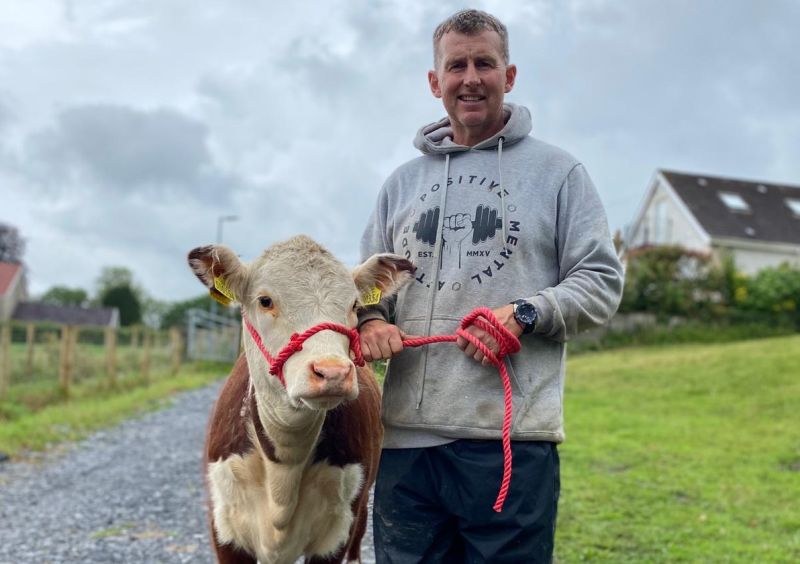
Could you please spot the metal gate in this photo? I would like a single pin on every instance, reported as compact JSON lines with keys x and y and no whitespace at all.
{"x":211,"y":337}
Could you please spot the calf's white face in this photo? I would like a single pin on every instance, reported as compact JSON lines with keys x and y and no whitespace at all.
{"x":290,"y":288}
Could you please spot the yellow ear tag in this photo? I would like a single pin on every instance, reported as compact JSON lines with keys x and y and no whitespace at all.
{"x":223,"y":295}
{"x":371,"y":297}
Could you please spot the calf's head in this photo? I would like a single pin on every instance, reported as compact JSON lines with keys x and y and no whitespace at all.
{"x":290,"y":288}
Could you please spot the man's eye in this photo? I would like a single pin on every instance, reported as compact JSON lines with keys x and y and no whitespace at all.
{"x":265,"y":302}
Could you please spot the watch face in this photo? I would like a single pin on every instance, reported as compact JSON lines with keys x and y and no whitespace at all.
{"x":526,"y":313}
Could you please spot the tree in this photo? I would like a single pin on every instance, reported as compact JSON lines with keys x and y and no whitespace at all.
{"x":63,"y":296}
{"x":175,"y":315}
{"x":114,"y":277}
{"x":12,"y":245}
{"x":126,"y":301}
{"x":116,"y":288}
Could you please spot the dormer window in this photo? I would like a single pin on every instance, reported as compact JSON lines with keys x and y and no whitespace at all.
{"x":734,"y":202}
{"x":794,"y":205}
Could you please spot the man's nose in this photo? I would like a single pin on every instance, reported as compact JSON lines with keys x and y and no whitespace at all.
{"x":471,"y":76}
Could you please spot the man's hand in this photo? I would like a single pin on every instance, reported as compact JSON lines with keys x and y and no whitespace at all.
{"x":504,"y":315}
{"x":380,"y":340}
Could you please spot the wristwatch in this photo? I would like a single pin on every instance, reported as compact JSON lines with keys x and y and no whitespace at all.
{"x":525,"y":314}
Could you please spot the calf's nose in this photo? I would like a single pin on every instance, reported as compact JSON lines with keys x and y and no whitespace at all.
{"x":332,"y":372}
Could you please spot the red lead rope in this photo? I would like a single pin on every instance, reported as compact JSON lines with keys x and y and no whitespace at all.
{"x":481,"y":317}
{"x":485,"y":319}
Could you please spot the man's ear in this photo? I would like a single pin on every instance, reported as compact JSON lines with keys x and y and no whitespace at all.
{"x":381,"y":276}
{"x":511,"y":77}
{"x":220,"y":270}
{"x":433,"y":82}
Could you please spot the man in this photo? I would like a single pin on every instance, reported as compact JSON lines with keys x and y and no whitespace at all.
{"x":491,"y":217}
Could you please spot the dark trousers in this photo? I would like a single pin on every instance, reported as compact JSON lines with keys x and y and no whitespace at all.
{"x":435,"y":504}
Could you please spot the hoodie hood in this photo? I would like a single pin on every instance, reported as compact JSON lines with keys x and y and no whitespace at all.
{"x":437,"y":138}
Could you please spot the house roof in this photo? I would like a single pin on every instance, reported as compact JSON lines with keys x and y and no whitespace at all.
{"x":8,"y":271}
{"x":66,"y":315}
{"x":768,"y":217}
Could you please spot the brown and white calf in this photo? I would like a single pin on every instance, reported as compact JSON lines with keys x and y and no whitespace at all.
{"x":289,"y":468}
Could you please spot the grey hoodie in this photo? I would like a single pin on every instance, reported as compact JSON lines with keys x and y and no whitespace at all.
{"x":515,"y":218}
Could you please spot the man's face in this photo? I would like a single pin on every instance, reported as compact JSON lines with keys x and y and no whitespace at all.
{"x":472,"y":79}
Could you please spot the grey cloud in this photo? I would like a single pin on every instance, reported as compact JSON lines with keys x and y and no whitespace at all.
{"x":5,"y":115}
{"x":125,"y":147}
{"x":116,"y":148}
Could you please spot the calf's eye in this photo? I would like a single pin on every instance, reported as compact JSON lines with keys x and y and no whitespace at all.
{"x":265,"y":302}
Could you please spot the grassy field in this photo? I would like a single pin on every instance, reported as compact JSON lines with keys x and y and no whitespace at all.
{"x":687,"y":453}
{"x":91,"y":406}
{"x":683,"y":454}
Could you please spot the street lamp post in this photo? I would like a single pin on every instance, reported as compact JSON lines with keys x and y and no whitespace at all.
{"x":213,"y":325}
{"x":220,"y":221}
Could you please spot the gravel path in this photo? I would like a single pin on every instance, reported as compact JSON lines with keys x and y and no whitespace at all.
{"x":130,"y":494}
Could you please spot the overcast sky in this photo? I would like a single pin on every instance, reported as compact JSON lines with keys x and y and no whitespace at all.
{"x":128,"y":127}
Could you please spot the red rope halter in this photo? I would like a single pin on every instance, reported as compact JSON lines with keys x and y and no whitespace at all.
{"x":481,"y":317}
{"x":296,"y":341}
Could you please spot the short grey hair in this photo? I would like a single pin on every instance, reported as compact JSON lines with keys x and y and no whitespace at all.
{"x":470,"y":22}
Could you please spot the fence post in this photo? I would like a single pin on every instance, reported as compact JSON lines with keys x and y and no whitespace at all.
{"x":146,"y":339}
{"x":111,"y":355}
{"x":134,"y":337}
{"x":177,"y":352}
{"x":65,"y":364}
{"x":30,"y":339}
{"x":5,"y":359}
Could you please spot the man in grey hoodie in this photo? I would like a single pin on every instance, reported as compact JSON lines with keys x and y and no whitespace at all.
{"x":491,"y":217}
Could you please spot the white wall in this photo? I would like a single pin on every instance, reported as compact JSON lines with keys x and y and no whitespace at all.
{"x":663,"y":223}
{"x":750,"y":261}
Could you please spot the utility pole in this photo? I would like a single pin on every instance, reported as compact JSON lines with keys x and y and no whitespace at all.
{"x":214,"y":325}
{"x":220,"y":221}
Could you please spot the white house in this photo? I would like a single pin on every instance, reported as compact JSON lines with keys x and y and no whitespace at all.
{"x":758,"y":223}
{"x":12,"y":288}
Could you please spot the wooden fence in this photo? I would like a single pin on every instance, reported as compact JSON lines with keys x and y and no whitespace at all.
{"x":39,"y":354}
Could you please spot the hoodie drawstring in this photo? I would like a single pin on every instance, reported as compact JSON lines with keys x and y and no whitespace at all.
{"x":502,"y":189}
{"x":437,"y":251}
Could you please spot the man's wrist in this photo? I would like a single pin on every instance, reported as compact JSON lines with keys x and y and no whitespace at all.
{"x":525,"y":315}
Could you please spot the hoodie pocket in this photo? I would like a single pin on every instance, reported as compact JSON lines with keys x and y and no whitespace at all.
{"x":455,"y":391}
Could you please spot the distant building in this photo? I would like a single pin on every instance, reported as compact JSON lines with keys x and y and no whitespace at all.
{"x":67,"y":315}
{"x":12,"y":288}
{"x":13,"y":293}
{"x":758,"y":223}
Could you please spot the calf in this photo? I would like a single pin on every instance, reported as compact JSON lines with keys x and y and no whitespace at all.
{"x":291,"y":457}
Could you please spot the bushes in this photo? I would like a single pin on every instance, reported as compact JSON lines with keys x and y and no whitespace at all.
{"x":773,"y":291}
{"x":672,"y":281}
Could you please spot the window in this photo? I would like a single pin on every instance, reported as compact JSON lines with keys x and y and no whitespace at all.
{"x":794,"y":205}
{"x":734,"y":202}
{"x":662,"y":227}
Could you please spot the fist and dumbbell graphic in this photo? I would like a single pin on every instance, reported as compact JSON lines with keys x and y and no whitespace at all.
{"x":457,"y":228}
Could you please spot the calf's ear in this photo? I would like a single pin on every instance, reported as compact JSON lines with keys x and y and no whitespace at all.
{"x":382,"y":275}
{"x":220,"y":270}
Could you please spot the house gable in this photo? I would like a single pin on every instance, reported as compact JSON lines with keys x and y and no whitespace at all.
{"x":12,"y":288}
{"x":663,"y":219}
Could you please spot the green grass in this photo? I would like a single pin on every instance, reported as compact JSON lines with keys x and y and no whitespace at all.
{"x":683,"y":453}
{"x":91,"y":407}
{"x":687,"y":453}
